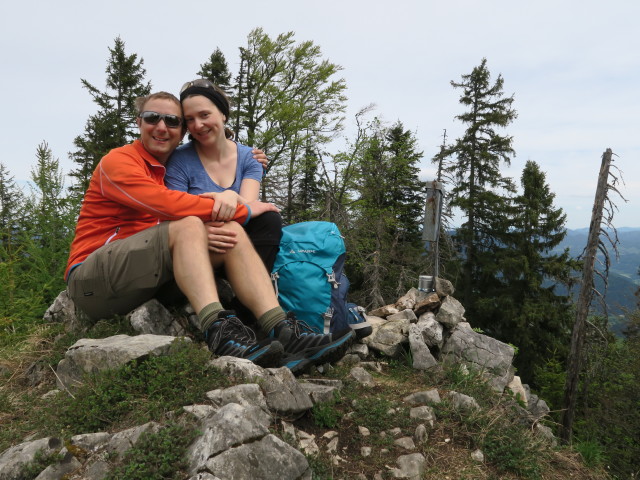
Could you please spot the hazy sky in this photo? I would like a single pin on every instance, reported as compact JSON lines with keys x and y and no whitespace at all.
{"x":573,"y":67}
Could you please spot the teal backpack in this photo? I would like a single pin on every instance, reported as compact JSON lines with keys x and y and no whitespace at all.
{"x":308,"y":276}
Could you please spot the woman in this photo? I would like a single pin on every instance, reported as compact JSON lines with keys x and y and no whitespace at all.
{"x":213,"y":162}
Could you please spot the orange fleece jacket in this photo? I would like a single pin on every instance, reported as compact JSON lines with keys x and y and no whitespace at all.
{"x":127,"y":195}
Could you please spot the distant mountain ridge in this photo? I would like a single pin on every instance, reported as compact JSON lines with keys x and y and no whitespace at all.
{"x":626,"y":265}
{"x":623,"y":271}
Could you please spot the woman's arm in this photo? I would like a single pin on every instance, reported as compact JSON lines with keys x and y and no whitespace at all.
{"x":249,"y":189}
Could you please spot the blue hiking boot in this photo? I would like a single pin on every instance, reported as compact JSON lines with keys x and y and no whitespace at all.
{"x":304,"y":347}
{"x":229,"y":336}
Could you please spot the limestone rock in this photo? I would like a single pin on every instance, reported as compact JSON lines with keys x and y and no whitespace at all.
{"x":410,"y":466}
{"x":444,"y":288}
{"x":93,"y":355}
{"x":451,"y":312}
{"x":431,"y":330}
{"x":389,"y":337}
{"x":492,"y":357}
{"x":428,"y":304}
{"x":422,"y":357}
{"x":232,"y":425}
{"x":428,"y":397}
{"x":153,"y":317}
{"x":383,"y":312}
{"x":284,"y":395}
{"x":13,"y":459}
{"x":361,"y":376}
{"x":269,"y":458}
{"x":246,"y":395}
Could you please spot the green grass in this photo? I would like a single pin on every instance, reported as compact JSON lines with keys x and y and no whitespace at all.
{"x":325,"y":414}
{"x":156,"y":456}
{"x":135,"y":393}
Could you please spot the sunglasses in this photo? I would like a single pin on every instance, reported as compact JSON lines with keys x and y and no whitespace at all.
{"x":153,"y":118}
{"x":200,"y":82}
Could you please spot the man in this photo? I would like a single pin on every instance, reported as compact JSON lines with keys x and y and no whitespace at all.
{"x":135,"y":237}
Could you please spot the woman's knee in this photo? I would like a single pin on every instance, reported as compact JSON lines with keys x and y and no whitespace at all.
{"x":187,"y":228}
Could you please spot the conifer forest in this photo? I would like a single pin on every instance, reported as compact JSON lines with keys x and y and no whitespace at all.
{"x":290,"y":101}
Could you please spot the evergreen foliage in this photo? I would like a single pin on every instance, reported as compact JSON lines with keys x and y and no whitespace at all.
{"x":608,"y":410}
{"x":50,"y":227}
{"x":11,"y":200}
{"x":11,"y":222}
{"x":36,"y":233}
{"x":114,"y":124}
{"x":530,"y":312}
{"x":385,"y":241}
{"x":216,"y":69}
{"x":480,"y":191}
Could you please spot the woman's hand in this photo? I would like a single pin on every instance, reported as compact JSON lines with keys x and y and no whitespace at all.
{"x":225,"y":206}
{"x":258,"y":208}
{"x":220,"y":239}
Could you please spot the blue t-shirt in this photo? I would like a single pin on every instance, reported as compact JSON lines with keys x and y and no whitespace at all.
{"x":186,"y":173}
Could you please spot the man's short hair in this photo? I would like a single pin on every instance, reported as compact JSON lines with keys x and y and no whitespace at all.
{"x":142,"y":101}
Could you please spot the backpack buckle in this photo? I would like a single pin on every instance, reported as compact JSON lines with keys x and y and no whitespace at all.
{"x":331,"y":278}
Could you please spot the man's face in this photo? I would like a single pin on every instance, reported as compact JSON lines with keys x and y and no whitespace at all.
{"x":160,"y":140}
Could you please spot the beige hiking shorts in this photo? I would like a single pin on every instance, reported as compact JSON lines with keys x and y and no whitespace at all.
{"x":124,"y":274}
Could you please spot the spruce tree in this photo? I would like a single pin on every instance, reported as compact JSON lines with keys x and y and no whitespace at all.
{"x":11,"y":205}
{"x":530,"y":311}
{"x":216,"y":69}
{"x":50,"y":228}
{"x":480,"y":191}
{"x":114,"y":124}
{"x":385,"y":242}
{"x":11,"y":224}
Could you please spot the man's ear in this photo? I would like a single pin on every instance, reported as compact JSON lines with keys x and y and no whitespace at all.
{"x":138,"y":121}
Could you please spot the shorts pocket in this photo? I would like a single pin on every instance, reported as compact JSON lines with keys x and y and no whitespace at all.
{"x":138,"y":269}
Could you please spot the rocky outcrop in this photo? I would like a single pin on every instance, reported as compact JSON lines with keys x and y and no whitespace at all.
{"x":92,"y":355}
{"x":234,"y":426}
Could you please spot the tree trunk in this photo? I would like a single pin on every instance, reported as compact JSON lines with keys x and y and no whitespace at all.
{"x":584,"y":300}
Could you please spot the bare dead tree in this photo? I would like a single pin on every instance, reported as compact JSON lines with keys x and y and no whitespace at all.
{"x":445,"y":246}
{"x":600,"y":229}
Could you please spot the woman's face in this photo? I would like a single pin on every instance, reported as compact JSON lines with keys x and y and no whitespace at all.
{"x":203,"y":119}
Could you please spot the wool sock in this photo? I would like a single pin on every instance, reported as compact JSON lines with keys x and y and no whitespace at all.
{"x":271,"y":318}
{"x":209,"y":314}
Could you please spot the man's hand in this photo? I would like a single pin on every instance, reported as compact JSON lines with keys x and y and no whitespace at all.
{"x":261,"y":157}
{"x":220,"y":239}
{"x":225,"y":206}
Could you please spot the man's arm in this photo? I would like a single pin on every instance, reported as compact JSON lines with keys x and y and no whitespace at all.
{"x":125,"y":180}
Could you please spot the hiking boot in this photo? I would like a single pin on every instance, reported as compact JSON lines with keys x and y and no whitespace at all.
{"x":229,"y":336}
{"x":304,"y":347}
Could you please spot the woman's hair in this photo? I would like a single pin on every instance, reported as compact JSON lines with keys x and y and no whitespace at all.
{"x":142,"y":101}
{"x":214,"y":93}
